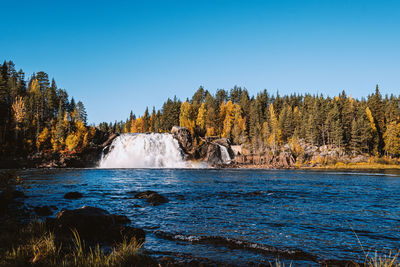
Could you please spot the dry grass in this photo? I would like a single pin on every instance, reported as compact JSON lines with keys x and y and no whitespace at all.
{"x":389,"y":260}
{"x":357,"y":166}
{"x":42,"y":249}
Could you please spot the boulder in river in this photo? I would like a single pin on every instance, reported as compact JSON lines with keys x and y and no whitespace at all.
{"x":152,"y":197}
{"x":94,"y":224}
{"x":73,"y":195}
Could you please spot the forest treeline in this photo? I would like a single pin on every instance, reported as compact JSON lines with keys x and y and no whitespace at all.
{"x":267,"y":121}
{"x":37,"y":116}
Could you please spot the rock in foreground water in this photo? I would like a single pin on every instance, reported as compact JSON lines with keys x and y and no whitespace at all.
{"x":152,"y":197}
{"x":95,"y":224}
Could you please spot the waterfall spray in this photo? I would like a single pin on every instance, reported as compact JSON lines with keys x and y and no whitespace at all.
{"x":153,"y":150}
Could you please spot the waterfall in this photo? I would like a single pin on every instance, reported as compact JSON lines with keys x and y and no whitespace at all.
{"x":152,"y":150}
{"x":224,"y":154}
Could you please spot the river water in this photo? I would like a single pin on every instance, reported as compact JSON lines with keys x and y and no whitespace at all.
{"x":240,"y":216}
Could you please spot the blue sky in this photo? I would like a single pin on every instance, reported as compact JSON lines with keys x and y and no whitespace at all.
{"x":118,"y":56}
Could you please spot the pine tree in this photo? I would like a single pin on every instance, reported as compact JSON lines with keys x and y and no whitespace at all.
{"x":72,"y":105}
{"x":355,"y":136}
{"x":286,"y":122}
{"x":60,"y":130}
{"x":153,"y":121}
{"x":235,"y":94}
{"x":146,"y":120}
{"x":376,"y":107}
{"x":35,"y":95}
{"x":81,"y":112}
{"x":392,"y":139}
{"x":4,"y":106}
{"x":51,"y":100}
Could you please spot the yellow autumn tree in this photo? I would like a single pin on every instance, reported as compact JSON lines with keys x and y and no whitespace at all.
{"x":18,"y":108}
{"x":76,"y":140}
{"x":392,"y":138}
{"x":66,"y":122}
{"x":139,"y":125}
{"x":133,"y":126}
{"x":234,"y":124}
{"x":42,"y":138}
{"x":72,"y":142}
{"x":239,"y":124}
{"x":88,"y":136}
{"x":226,"y":116}
{"x":371,"y":119}
{"x":201,"y":117}
{"x":187,"y":116}
{"x":19,"y":113}
{"x":53,"y":140}
{"x":211,"y":124}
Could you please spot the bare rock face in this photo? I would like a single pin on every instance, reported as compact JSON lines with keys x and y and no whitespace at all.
{"x":94,"y":224}
{"x":182,"y":134}
{"x":210,"y":151}
{"x":213,"y":155}
{"x":223,"y":142}
{"x":226,"y":143}
{"x":285,"y":160}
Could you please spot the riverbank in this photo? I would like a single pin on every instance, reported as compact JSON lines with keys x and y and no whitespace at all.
{"x":355,"y":166}
{"x":338,"y":166}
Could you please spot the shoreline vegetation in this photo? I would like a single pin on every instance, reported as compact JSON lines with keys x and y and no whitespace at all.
{"x":41,"y":126}
{"x":372,"y":164}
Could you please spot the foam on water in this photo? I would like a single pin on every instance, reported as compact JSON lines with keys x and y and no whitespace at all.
{"x":153,"y":150}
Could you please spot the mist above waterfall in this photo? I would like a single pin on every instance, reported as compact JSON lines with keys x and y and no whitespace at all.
{"x":153,"y":150}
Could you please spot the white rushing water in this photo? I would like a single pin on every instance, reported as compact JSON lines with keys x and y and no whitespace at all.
{"x":152,"y":150}
{"x":225,"y":154}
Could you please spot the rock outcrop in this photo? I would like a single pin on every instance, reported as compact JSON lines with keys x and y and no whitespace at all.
{"x":182,"y":134}
{"x":213,"y":154}
{"x":94,"y":224}
{"x":210,"y":151}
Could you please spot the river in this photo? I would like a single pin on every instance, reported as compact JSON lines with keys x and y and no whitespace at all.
{"x":240,"y":216}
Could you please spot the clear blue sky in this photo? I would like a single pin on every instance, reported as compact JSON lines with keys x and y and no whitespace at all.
{"x":118,"y":56}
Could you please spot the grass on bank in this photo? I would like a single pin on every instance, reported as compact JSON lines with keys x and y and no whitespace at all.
{"x":391,"y":260}
{"x":373,"y":163}
{"x":383,"y":261}
{"x":355,"y":166}
{"x":42,"y":249}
